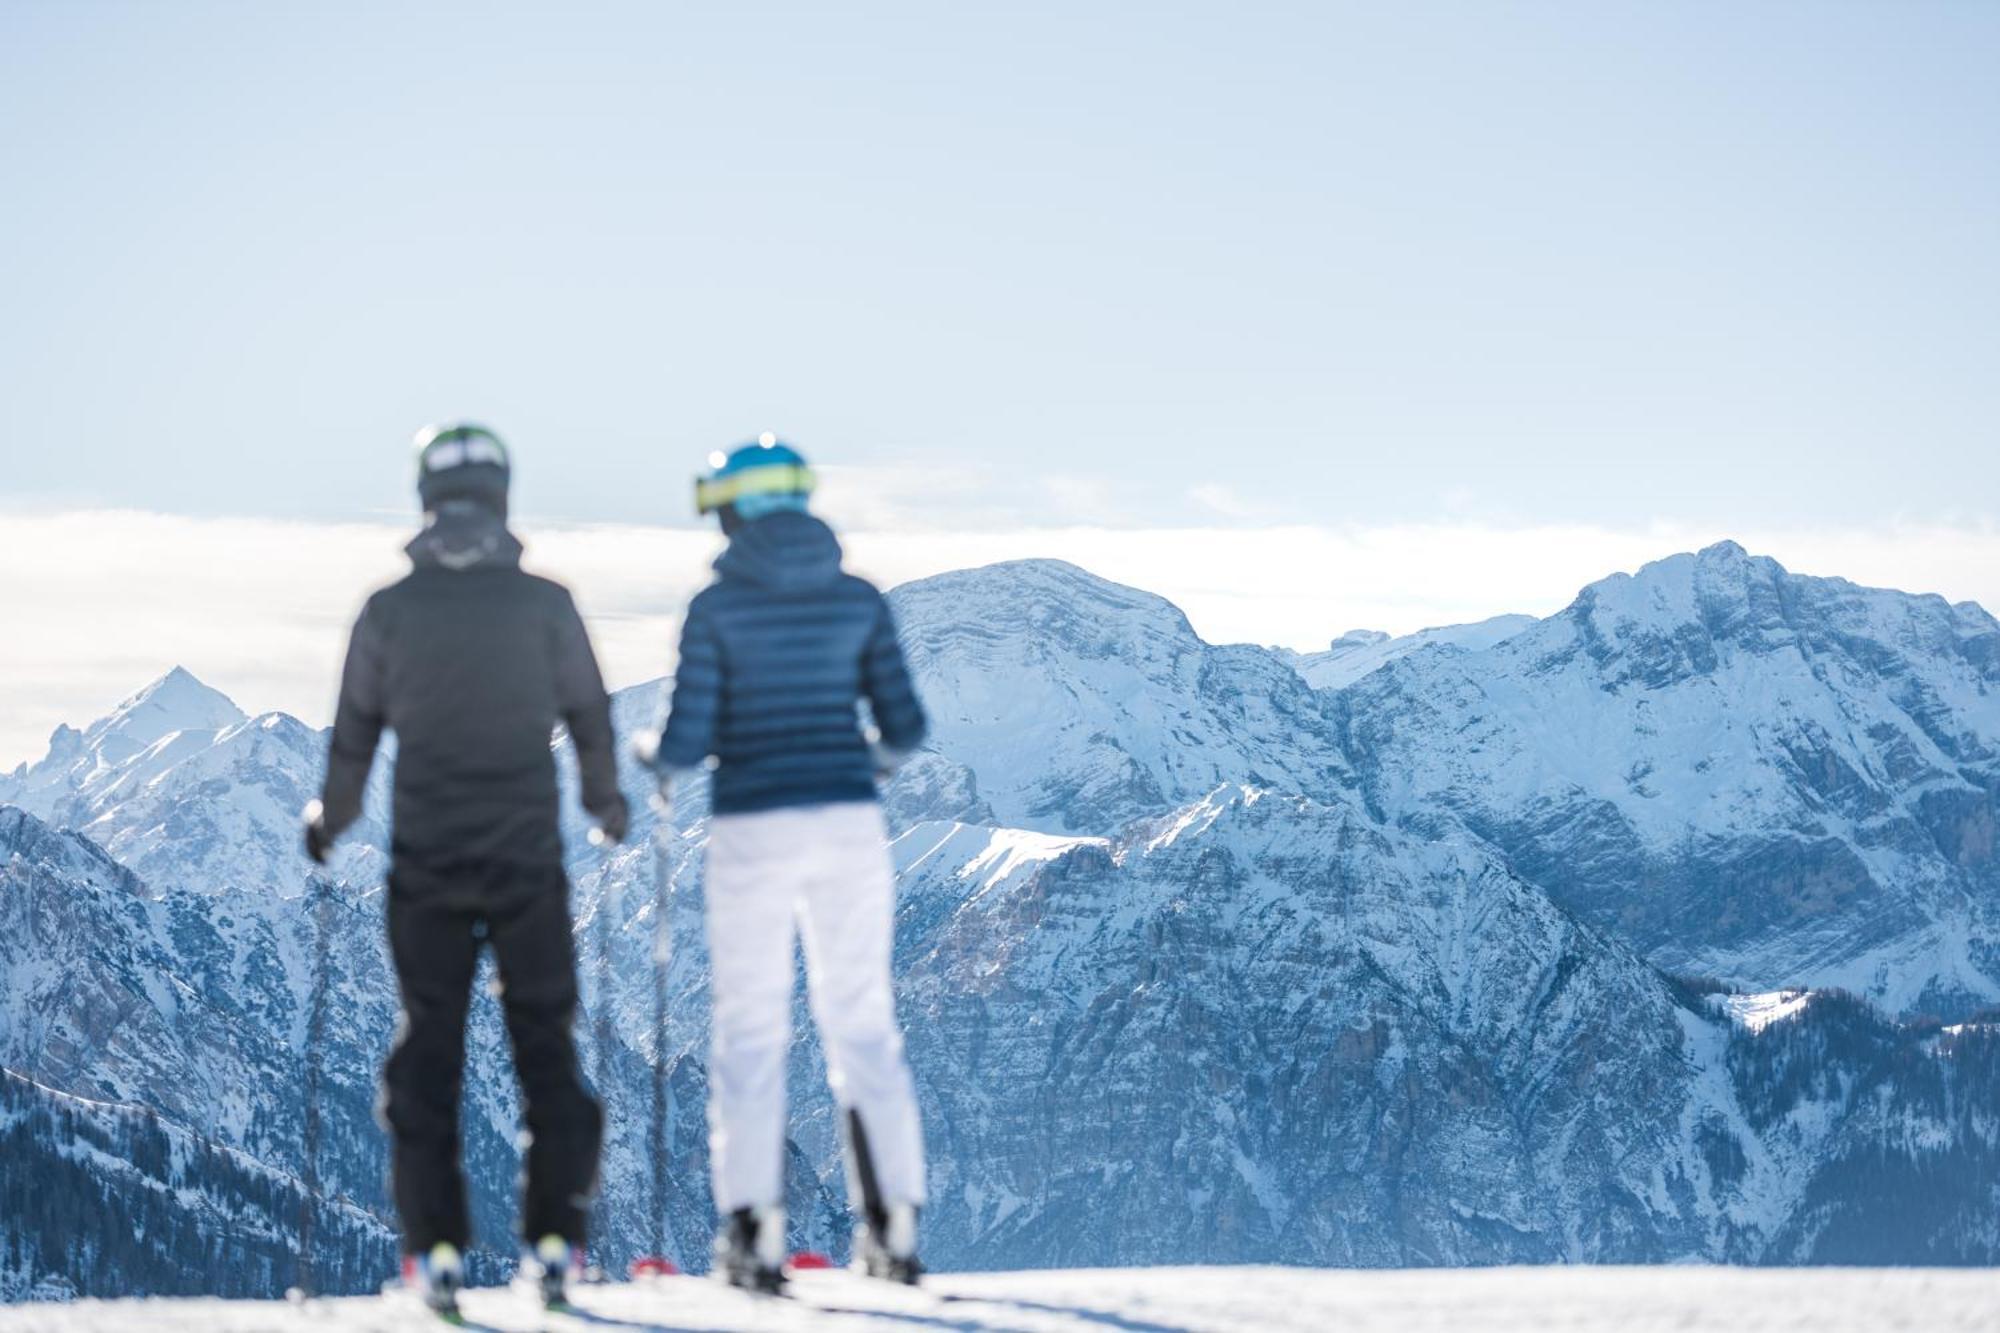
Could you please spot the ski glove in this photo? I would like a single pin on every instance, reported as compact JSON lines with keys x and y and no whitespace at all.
{"x":319,"y":843}
{"x":615,"y":821}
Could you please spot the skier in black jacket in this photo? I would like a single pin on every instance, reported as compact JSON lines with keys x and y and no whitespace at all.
{"x":473,"y":663}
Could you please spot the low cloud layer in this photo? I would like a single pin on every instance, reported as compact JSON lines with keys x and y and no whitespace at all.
{"x":96,"y":604}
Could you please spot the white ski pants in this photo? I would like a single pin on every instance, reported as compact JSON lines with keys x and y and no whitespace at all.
{"x":823,"y":873}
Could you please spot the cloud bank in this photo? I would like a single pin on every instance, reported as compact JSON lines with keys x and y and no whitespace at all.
{"x":95,"y":604}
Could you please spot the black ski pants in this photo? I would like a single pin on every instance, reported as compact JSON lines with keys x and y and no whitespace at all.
{"x":439,"y":919}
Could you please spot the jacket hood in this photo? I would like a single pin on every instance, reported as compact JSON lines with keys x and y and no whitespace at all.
{"x":462,"y":535}
{"x":785,"y":552}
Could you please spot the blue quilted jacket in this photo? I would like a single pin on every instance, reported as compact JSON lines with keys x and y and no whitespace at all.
{"x":776,"y":655}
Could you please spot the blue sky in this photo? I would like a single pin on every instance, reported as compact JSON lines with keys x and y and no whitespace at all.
{"x":1691,"y":269}
{"x":1598,"y":262}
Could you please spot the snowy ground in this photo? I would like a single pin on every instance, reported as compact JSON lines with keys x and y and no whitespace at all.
{"x":1169,"y":1300}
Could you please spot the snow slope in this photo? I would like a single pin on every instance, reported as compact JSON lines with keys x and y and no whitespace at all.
{"x":1078,"y":705}
{"x":1162,"y":1300}
{"x":1358,"y":652}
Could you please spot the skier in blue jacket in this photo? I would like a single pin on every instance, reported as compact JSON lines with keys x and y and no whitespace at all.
{"x":777,"y":657}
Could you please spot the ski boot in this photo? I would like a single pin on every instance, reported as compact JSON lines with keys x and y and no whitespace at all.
{"x":750,"y":1250}
{"x":550,"y":1265}
{"x":436,"y":1278}
{"x":885,"y":1246}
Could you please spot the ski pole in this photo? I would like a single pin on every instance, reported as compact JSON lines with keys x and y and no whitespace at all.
{"x":322,"y":898}
{"x":646,"y":749}
{"x":663,"y":947}
{"x":609,"y":905}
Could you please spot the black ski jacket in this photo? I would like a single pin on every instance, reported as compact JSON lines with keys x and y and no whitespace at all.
{"x":471,"y":663}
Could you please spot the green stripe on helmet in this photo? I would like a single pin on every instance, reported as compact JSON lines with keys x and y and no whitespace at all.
{"x":442,"y":448}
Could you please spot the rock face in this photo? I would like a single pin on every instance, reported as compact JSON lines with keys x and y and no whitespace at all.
{"x":151,"y":1100}
{"x":1291,"y":1017}
{"x":1198,"y":962}
{"x":1079,"y":705}
{"x":1744,"y":772}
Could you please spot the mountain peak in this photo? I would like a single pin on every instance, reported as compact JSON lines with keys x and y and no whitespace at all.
{"x":1014,"y":589}
{"x":1720,"y":560}
{"x":177,"y":701}
{"x":182,"y":689}
{"x":1678,"y":616}
{"x":1711,"y":585}
{"x":1038,"y":573}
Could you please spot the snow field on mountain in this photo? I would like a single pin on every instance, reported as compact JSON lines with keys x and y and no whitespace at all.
{"x":1757,"y":1012}
{"x":1164,"y":1300}
{"x":1358,"y":652}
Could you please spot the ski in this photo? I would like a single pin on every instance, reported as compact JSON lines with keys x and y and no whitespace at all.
{"x":765,"y":1286}
{"x":834,"y":1292}
{"x":563,"y":1315}
{"x":449,"y":1315}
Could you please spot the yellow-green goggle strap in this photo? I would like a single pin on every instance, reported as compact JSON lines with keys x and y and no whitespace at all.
{"x":712,"y":493}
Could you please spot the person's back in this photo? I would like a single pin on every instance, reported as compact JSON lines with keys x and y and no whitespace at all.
{"x":478,"y":665}
{"x":777,"y":657}
{"x":472,"y":663}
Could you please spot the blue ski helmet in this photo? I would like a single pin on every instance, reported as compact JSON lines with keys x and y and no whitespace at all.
{"x":752,"y":480}
{"x":461,"y":462}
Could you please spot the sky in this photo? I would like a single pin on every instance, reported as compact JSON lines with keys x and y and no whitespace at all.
{"x":1310,"y":317}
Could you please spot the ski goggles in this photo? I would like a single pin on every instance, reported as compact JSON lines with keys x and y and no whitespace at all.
{"x":713,"y":493}
{"x":457,"y":448}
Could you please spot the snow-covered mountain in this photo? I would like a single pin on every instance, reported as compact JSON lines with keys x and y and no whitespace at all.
{"x":1198,"y":962}
{"x":1274,"y":986}
{"x":183,"y":787}
{"x":1360,"y":651}
{"x":86,"y":772}
{"x":1772,"y":778}
{"x":1075,"y":705}
{"x":151,"y":1102}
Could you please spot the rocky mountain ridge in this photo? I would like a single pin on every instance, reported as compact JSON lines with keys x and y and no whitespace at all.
{"x":1199,"y":962}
